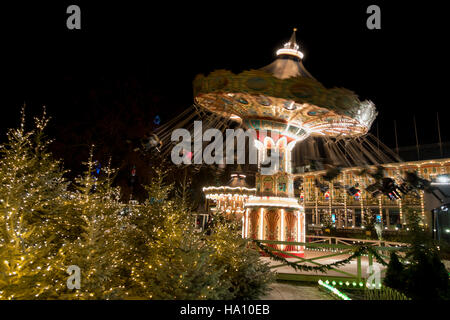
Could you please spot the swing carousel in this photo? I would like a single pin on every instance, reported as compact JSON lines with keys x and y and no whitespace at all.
{"x":286,"y":106}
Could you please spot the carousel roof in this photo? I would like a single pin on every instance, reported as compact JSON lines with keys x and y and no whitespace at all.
{"x":289,"y":62}
{"x":284,"y":97}
{"x":236,"y":185}
{"x":237,"y":180}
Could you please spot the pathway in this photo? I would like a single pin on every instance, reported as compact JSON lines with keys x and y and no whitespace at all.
{"x":285,"y":291}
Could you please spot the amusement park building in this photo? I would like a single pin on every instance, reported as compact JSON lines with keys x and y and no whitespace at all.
{"x":348,"y":211}
{"x":229,"y":199}
{"x":336,"y":205}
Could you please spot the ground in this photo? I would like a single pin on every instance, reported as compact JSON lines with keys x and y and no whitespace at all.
{"x":306,"y":291}
{"x":286,"y":291}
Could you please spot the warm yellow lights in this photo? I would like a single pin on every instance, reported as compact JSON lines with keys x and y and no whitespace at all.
{"x":298,"y":229}
{"x":402,"y":165}
{"x":291,"y":52}
{"x":235,"y":118}
{"x":422,"y":205}
{"x":246,"y":223}
{"x":228,"y":188}
{"x":261,"y":224}
{"x":282,"y":228}
{"x":218,"y":193}
{"x":280,"y":202}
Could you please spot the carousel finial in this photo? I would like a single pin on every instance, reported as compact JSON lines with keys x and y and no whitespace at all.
{"x":291,"y":47}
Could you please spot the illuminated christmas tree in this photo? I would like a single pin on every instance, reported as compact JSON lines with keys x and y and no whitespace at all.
{"x":179,"y":264}
{"x":99,"y":247}
{"x":33,"y":213}
{"x":248,"y":275}
{"x":122,"y":251}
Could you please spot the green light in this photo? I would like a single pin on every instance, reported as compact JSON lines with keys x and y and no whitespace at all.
{"x":361,"y":284}
{"x":334,"y":290}
{"x":341,"y":283}
{"x":354,"y":283}
{"x":333,"y":283}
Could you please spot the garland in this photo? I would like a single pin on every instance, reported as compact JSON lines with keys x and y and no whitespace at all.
{"x":360,"y":250}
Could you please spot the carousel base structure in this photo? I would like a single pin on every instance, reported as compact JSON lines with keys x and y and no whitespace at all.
{"x":276,"y":219}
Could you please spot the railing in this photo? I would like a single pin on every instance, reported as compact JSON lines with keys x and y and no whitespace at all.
{"x":340,"y":247}
{"x":351,"y":241}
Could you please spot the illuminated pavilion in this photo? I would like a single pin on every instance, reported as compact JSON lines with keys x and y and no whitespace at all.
{"x":231,"y":198}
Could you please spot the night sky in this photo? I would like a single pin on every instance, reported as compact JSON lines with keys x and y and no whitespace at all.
{"x":142,"y":59}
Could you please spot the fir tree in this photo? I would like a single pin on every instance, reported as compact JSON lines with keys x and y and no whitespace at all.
{"x":178,"y":264}
{"x":146,"y":251}
{"x":424,"y":277}
{"x":99,"y":248}
{"x":33,"y":212}
{"x":395,"y":273}
{"x":248,"y":275}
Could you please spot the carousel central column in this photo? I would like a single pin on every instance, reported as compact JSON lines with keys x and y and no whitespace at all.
{"x":281,"y":217}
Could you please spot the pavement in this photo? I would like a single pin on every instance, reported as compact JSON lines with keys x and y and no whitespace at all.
{"x":285,"y":291}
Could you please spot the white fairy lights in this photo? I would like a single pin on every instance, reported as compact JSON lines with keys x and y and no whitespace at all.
{"x":280,"y":202}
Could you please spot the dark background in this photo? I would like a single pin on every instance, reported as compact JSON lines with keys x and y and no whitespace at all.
{"x":104,"y":84}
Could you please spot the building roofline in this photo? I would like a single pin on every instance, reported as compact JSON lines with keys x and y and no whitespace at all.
{"x":385,"y":165}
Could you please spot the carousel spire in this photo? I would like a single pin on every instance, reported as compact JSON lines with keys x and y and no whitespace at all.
{"x":289,"y":61}
{"x":291,"y":47}
{"x":293,"y":40}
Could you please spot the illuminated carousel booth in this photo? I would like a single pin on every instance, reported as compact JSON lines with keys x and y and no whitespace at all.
{"x":229,"y":199}
{"x":284,"y":104}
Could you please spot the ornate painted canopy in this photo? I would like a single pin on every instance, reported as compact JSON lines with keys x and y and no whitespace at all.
{"x":284,"y":97}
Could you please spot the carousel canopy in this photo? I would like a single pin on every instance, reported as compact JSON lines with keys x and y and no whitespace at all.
{"x":284,"y":97}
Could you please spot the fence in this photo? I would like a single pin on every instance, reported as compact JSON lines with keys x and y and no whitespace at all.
{"x":351,"y":241}
{"x":332,"y":247}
